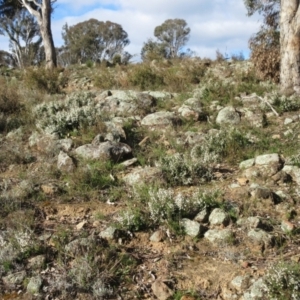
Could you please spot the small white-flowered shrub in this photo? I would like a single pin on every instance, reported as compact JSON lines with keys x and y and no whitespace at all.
{"x":131,"y":219}
{"x":218,"y":145}
{"x":283,"y":281}
{"x":167,"y":205}
{"x":285,"y":103}
{"x":180,"y":170}
{"x":63,"y":116}
{"x":101,"y":290}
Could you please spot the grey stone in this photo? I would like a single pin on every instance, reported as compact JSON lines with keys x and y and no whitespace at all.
{"x":65,"y":162}
{"x":260,"y":237}
{"x":293,"y":171}
{"x":161,"y":290}
{"x":13,"y":280}
{"x":191,"y":228}
{"x":107,"y":150}
{"x":202,"y":216}
{"x":250,"y":222}
{"x":228,"y":115}
{"x":218,"y":217}
{"x":158,"y":236}
{"x":34,"y":285}
{"x":247,"y":163}
{"x":267,"y":159}
{"x":109,"y":233}
{"x":141,"y":175}
{"x":240,"y":283}
{"x":37,"y":262}
{"x":219,"y":236}
{"x":256,"y":291}
{"x":161,"y":118}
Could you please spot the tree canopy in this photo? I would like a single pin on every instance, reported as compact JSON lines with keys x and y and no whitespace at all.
{"x":94,"y":40}
{"x":173,"y":34}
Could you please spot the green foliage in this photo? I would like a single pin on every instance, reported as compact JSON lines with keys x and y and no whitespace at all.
{"x":45,"y":80}
{"x":283,"y":281}
{"x":173,"y":35}
{"x":153,"y":50}
{"x":216,"y":146}
{"x":76,"y":111}
{"x":145,"y":78}
{"x":94,"y":40}
{"x":179,"y":170}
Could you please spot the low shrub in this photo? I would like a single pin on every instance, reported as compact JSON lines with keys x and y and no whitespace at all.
{"x":48,"y":81}
{"x":283,"y":281}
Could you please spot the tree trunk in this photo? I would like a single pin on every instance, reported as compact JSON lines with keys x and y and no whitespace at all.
{"x":43,"y":16}
{"x":290,"y":46}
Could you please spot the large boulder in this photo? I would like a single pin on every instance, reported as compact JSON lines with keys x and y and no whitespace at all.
{"x":108,"y":150}
{"x":161,"y":118}
{"x":228,"y":115}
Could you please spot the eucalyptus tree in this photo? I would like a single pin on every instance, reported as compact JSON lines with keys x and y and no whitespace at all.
{"x":94,"y":40}
{"x":24,"y":36}
{"x":173,"y":34}
{"x":288,"y":12}
{"x":42,"y":10}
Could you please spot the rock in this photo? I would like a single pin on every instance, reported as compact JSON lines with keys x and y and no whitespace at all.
{"x":260,"y":237}
{"x":107,"y":150}
{"x":77,"y":246}
{"x":202,"y":216}
{"x":268,"y":159}
{"x":160,"y":95}
{"x":112,"y":132}
{"x":250,"y":222}
{"x":293,"y":171}
{"x":143,"y":175}
{"x":188,"y":113}
{"x":65,"y":162}
{"x":65,"y":144}
{"x":240,"y":283}
{"x":37,"y":262}
{"x":256,"y":291}
{"x":192,"y":109}
{"x":218,"y":217}
{"x":161,"y":118}
{"x":12,"y":281}
{"x":81,"y":225}
{"x":219,"y":236}
{"x":287,"y":226}
{"x":34,"y":285}
{"x":161,"y":290}
{"x":193,"y":138}
{"x":129,"y":162}
{"x":228,"y":115}
{"x":288,"y":121}
{"x":50,"y":189}
{"x":191,"y":228}
{"x":247,"y":163}
{"x":158,"y":236}
{"x":261,"y":193}
{"x":109,"y":233}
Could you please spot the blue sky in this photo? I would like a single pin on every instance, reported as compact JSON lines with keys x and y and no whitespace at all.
{"x":215,"y":24}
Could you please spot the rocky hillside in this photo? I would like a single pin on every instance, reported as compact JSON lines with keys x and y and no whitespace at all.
{"x":133,"y":194}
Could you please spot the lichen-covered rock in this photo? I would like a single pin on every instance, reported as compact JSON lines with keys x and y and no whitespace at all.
{"x":34,"y":285}
{"x":219,"y":236}
{"x":192,"y":228}
{"x":228,"y":115}
{"x":260,"y":237}
{"x":141,"y":175}
{"x":161,"y":118}
{"x":218,"y":217}
{"x":65,"y":162}
{"x":107,"y":150}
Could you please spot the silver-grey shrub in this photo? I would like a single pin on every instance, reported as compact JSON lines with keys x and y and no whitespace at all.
{"x":63,"y":116}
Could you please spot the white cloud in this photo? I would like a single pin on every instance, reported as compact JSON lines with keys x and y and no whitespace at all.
{"x":217,"y":24}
